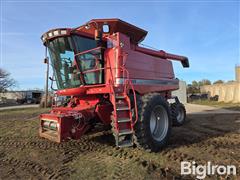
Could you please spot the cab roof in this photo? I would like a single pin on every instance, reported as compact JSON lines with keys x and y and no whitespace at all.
{"x":135,"y":33}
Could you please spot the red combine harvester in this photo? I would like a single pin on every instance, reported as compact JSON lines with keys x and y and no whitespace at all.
{"x":103,"y":75}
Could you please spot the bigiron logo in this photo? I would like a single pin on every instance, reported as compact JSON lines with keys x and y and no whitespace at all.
{"x":201,"y":171}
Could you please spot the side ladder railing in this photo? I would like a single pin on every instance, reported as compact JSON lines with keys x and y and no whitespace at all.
{"x":122,"y":117}
{"x":122,"y":120}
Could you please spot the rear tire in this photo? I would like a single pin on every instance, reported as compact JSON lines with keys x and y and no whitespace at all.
{"x":153,"y":126}
{"x":178,"y":114}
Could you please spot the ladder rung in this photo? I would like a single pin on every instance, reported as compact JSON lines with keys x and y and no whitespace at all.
{"x":124,"y":108}
{"x":125,"y":143}
{"x":125,"y":132}
{"x":120,"y":97}
{"x":122,"y":120}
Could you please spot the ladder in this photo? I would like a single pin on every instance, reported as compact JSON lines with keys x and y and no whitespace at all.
{"x":122,"y":120}
{"x":122,"y":124}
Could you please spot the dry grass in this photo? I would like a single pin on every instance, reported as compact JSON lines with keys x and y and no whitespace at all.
{"x":230,"y":106}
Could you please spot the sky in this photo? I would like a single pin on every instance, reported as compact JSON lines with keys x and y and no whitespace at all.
{"x":207,"y":32}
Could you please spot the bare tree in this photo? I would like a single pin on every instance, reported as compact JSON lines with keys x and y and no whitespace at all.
{"x":5,"y":80}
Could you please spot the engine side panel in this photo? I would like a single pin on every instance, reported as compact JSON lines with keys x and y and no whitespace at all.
{"x":147,"y":73}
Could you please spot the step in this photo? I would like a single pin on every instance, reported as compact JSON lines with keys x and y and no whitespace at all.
{"x":119,"y":97}
{"x":123,"y":108}
{"x":125,"y":132}
{"x":121,"y":103}
{"x":123,"y":120}
{"x":126,"y":143}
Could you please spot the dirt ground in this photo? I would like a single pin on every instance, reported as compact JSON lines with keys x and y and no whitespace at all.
{"x":23,"y":155}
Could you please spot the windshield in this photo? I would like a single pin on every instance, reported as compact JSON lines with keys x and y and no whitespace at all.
{"x":88,"y":61}
{"x":66,"y":71}
{"x":62,"y":59}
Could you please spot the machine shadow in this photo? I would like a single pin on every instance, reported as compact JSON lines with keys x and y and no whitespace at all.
{"x":198,"y":128}
{"x":201,"y":127}
{"x":102,"y":135}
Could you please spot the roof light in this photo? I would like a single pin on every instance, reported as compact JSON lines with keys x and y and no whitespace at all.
{"x":63,"y":32}
{"x":56,"y":33}
{"x":44,"y":37}
{"x":87,"y":26}
{"x":50,"y":34}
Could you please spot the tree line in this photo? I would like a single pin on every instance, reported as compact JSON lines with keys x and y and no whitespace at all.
{"x":194,"y":87}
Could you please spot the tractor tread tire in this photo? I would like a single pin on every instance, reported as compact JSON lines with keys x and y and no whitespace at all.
{"x":142,"y":135}
{"x":174,"y":111}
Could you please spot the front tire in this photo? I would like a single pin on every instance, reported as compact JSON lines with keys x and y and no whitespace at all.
{"x":153,"y":127}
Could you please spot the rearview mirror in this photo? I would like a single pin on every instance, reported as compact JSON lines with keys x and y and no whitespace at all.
{"x":98,"y":35}
{"x":51,"y":78}
{"x":45,"y":60}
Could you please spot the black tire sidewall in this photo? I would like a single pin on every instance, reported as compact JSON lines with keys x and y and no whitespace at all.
{"x":181,"y":106}
{"x":175,"y":107}
{"x":148,"y":104}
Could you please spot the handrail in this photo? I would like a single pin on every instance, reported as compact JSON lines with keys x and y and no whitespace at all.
{"x":134,"y":93}
{"x":127,"y":81}
{"x":113,"y":92}
{"x":84,"y":52}
{"x":93,"y":70}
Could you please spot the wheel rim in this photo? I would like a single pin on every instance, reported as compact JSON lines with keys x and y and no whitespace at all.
{"x":180,"y":115}
{"x":159,"y":123}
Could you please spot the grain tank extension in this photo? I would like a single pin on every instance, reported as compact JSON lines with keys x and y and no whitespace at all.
{"x":104,"y":76}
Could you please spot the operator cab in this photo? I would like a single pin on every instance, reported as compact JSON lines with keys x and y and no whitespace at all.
{"x":73,"y":62}
{"x":76,"y":60}
{"x":77,"y":55}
